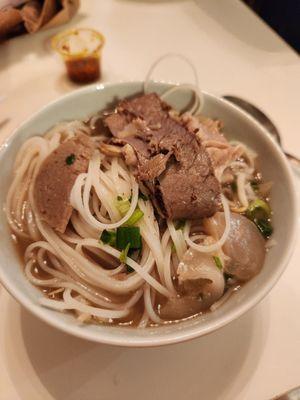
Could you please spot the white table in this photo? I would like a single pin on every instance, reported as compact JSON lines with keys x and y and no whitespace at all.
{"x":256,"y":356}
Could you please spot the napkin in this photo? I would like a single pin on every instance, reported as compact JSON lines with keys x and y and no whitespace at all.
{"x":33,"y":15}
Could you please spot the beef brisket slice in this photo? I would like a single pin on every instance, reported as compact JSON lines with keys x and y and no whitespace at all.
{"x":56,"y":178}
{"x":188,"y":189}
{"x":175,"y":167}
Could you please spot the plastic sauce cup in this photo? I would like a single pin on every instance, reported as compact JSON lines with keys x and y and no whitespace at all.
{"x":81,"y":51}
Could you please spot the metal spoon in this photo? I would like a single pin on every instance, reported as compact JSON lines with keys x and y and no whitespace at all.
{"x":293,"y":394}
{"x":264,"y":120}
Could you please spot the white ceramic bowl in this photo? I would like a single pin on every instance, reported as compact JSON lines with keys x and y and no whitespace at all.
{"x":238,"y":125}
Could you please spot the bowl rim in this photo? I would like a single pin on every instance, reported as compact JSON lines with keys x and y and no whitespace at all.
{"x":176,"y":336}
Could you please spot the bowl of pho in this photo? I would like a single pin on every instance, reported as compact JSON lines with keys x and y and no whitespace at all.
{"x":143,"y":214}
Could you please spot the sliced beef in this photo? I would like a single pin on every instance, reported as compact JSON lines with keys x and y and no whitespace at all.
{"x":217,"y":146}
{"x":170,"y":159}
{"x":56,"y":177}
{"x":153,"y":167}
{"x":129,"y":131}
{"x":147,"y":107}
{"x":129,"y":155}
{"x":116,"y":123}
{"x":189,"y":192}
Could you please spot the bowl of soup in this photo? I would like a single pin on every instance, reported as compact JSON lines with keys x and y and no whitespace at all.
{"x":143,"y":216}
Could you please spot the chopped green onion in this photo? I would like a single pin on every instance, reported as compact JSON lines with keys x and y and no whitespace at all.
{"x":134,"y":255}
{"x":123,"y":255}
{"x":128,"y":235}
{"x":70,"y":159}
{"x":233,"y":186}
{"x":258,"y":209}
{"x":108,"y":237}
{"x":122,"y":205}
{"x":143,"y":196}
{"x":265,"y":227}
{"x":135,"y":217}
{"x":218,"y":262}
{"x":259,"y":212}
{"x":180,"y":224}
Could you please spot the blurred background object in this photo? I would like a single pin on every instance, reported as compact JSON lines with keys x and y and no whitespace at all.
{"x":81,"y":52}
{"x":29,"y":16}
{"x":282,"y":15}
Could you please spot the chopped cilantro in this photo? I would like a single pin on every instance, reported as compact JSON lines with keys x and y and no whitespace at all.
{"x":70,"y":159}
{"x":108,"y":237}
{"x":124,"y":252}
{"x":218,"y":262}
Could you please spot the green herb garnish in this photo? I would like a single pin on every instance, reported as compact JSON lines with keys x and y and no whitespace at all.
{"x":127,"y":239}
{"x":258,"y":209}
{"x":218,"y":262}
{"x":122,"y":205}
{"x":135,"y":217}
{"x":70,"y":159}
{"x":128,"y":235}
{"x":124,"y":252}
{"x":260,"y":212}
{"x":108,"y":237}
{"x":265,"y":227}
{"x":134,"y":255}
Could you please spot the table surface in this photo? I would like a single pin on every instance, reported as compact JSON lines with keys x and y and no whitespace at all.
{"x":234,"y":52}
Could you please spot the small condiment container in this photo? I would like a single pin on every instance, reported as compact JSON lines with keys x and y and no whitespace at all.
{"x":81,"y":51}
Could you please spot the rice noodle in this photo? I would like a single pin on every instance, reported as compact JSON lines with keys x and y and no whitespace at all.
{"x":241,"y":180}
{"x":81,"y":203}
{"x":70,"y":303}
{"x":216,"y":246}
{"x":149,"y":305}
{"x":178,"y":239}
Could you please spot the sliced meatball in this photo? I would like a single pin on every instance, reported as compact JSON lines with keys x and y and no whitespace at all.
{"x":201,"y":284}
{"x":199,"y":276}
{"x":177,"y":308}
{"x":56,"y":178}
{"x":245,"y":245}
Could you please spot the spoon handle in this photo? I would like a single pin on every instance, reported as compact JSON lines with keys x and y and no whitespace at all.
{"x":295,"y":163}
{"x":293,"y":394}
{"x":266,"y":122}
{"x":294,"y":160}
